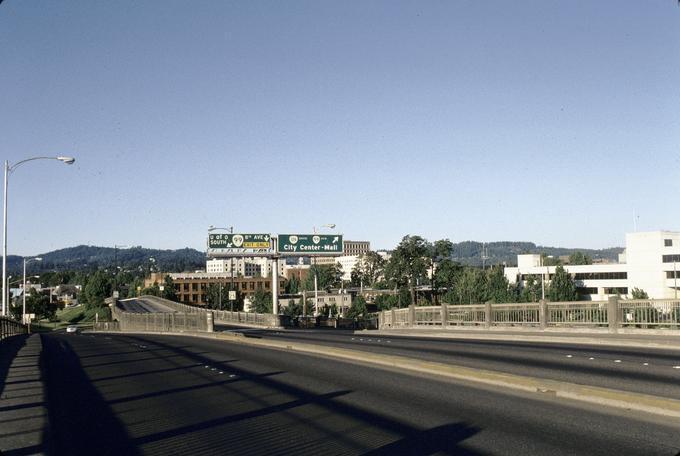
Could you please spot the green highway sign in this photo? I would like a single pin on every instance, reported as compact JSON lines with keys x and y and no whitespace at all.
{"x":227,"y":244}
{"x":310,"y":244}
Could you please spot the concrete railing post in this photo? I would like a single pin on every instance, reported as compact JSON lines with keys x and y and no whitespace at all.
{"x":211,"y":319}
{"x":613,"y":314}
{"x":543,"y":314}
{"x":487,"y":315}
{"x":411,"y":316}
{"x":394,"y":315}
{"x":445,"y":316}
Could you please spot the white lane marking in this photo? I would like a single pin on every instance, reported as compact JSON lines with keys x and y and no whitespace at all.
{"x":361,"y":340}
{"x":570,"y":356}
{"x":378,"y":340}
{"x":591,"y":358}
{"x":389,"y":341}
{"x":645,"y":364}
{"x":676,"y":367}
{"x":232,"y":376}
{"x":213,"y":369}
{"x":221,"y":372}
{"x":206,"y":366}
{"x":352,"y":338}
{"x":617,"y":360}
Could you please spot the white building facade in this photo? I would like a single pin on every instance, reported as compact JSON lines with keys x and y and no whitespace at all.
{"x":244,"y":267}
{"x":650,"y":262}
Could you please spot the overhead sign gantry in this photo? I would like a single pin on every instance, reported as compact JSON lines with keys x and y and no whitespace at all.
{"x":228,"y":245}
{"x":309,"y":244}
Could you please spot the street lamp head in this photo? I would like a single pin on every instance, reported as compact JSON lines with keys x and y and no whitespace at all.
{"x":331,"y":226}
{"x":37,"y":259}
{"x":67,"y":160}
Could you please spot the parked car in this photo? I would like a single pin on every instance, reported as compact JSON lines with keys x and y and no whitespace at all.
{"x":71,"y":329}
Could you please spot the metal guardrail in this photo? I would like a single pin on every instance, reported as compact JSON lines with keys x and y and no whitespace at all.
{"x":9,"y":328}
{"x":613,"y":314}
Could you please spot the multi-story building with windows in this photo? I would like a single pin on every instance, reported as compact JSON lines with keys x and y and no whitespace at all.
{"x":191,"y":287}
{"x":356,"y":247}
{"x":246,"y":267}
{"x":650,"y":262}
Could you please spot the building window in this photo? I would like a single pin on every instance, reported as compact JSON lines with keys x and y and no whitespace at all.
{"x":671,"y":258}
{"x":668,"y":242}
{"x":587,"y":290}
{"x":244,"y":286}
{"x":600,"y":276}
{"x":669,"y":274}
{"x":616,"y":290}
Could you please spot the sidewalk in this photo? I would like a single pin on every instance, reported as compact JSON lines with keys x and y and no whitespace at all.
{"x":668,"y":341}
{"x":23,"y":411}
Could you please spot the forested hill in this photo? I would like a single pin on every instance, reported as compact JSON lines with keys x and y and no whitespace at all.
{"x":505,"y":252}
{"x":85,"y":257}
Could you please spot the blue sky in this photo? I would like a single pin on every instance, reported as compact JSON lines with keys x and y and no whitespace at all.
{"x":546,"y":121}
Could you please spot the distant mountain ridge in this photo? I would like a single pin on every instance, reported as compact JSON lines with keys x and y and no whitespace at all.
{"x":505,"y":252}
{"x":85,"y":257}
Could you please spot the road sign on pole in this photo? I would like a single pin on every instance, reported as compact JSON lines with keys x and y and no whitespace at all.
{"x":310,"y":244}
{"x":228,"y":244}
{"x":232,"y":295}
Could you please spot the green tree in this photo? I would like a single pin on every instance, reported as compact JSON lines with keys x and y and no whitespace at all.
{"x":39,"y":304}
{"x":471,"y":286}
{"x":497,"y":286}
{"x":328,"y":276}
{"x":580,"y":258}
{"x":261,"y":302}
{"x":409,"y":263}
{"x":97,"y":289}
{"x":531,"y":291}
{"x":153,"y":290}
{"x":169,"y":289}
{"x":562,"y":286}
{"x":386,"y":302}
{"x":293,"y":309}
{"x":638,"y":293}
{"x":358,"y":308}
{"x":293,"y":285}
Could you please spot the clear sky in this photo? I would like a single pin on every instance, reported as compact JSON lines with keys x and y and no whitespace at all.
{"x":546,"y":121}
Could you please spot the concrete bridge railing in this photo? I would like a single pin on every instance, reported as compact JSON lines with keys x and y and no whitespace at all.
{"x":614,"y":315}
{"x":189,"y":318}
{"x":9,"y":328}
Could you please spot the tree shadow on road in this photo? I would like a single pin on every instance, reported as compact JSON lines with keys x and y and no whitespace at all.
{"x":304,"y":422}
{"x":80,"y":421}
{"x":8,"y":353}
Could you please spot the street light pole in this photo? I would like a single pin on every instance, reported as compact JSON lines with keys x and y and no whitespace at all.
{"x":231,"y":267}
{"x":23,"y":314}
{"x":8,"y":170}
{"x":316,"y":273}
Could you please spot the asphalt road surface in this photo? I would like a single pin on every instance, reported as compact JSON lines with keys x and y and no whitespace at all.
{"x":160,"y":395}
{"x":144,"y":305}
{"x":641,"y":370}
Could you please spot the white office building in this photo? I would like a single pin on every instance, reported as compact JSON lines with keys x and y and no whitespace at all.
{"x":244,"y":267}
{"x":650,"y":262}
